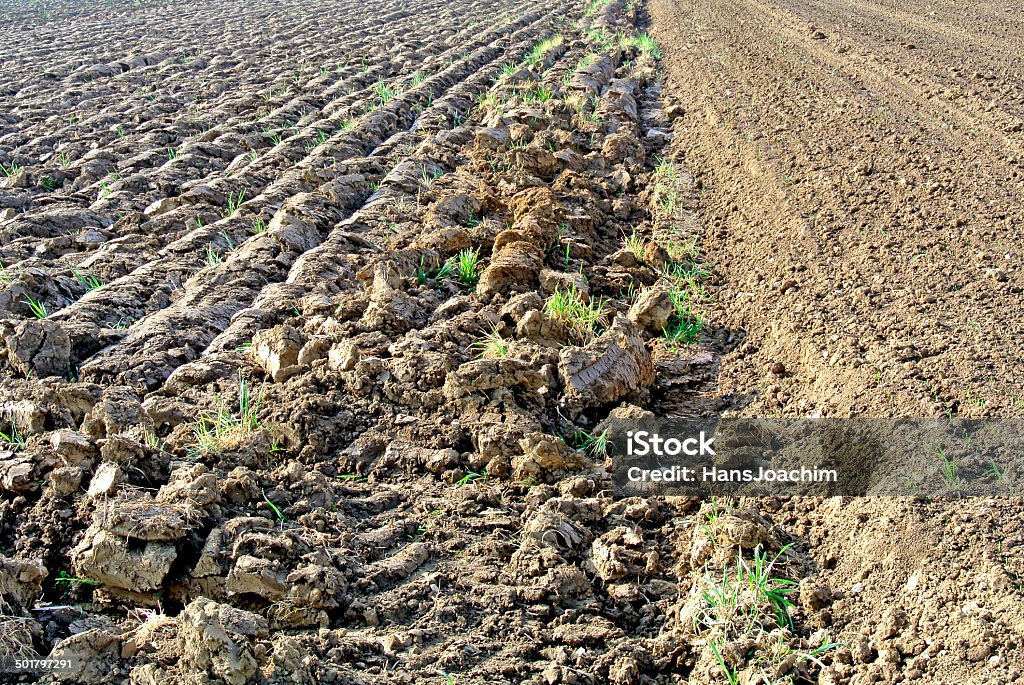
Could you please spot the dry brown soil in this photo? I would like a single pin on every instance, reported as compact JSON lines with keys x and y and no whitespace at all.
{"x":860,"y":174}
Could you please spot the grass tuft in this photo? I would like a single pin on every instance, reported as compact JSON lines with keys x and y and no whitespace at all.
{"x":581,"y":316}
{"x":747,"y":598}
{"x":686,"y":324}
{"x":64,"y":579}
{"x":438,"y":273}
{"x":384,"y":92}
{"x":466,"y":265}
{"x":538,"y":55}
{"x":470,"y":477}
{"x":427,"y":177}
{"x":493,"y":346}
{"x":234,"y":202}
{"x":213,"y":258}
{"x":595,"y":444}
{"x":645,"y":44}
{"x":417,"y":78}
{"x":538,"y":95}
{"x":634,"y":244}
{"x":224,"y":429}
{"x":950,"y":469}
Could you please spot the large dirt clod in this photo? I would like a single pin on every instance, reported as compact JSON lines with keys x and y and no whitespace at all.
{"x":277,"y":351}
{"x":652,"y":311}
{"x":21,"y":582}
{"x":614,"y":366}
{"x":219,"y":641}
{"x":108,"y":558}
{"x":39,"y":347}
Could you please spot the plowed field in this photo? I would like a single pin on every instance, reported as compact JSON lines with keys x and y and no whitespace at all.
{"x":314,"y":317}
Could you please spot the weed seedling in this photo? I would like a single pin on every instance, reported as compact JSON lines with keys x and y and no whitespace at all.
{"x":731,"y":676}
{"x":635,"y":244}
{"x":469,"y":478}
{"x":213,"y":258}
{"x":601,"y":38}
{"x":595,"y":444}
{"x":48,"y":182}
{"x":997,"y":472}
{"x":748,"y":599}
{"x":665,"y":170}
{"x":772,"y":590}
{"x":172,"y":154}
{"x":595,"y":6}
{"x":427,"y":178}
{"x":949,"y":470}
{"x":585,"y":61}
{"x":234,"y":202}
{"x":259,"y":226}
{"x":5,"y":275}
{"x":684,"y":329}
{"x":64,"y":579}
{"x":15,"y":439}
{"x":37,"y":307}
{"x":281,"y":518}
{"x":537,"y":55}
{"x":88,"y":279}
{"x":151,"y":439}
{"x":685,"y":325}
{"x":11,"y":170}
{"x":538,"y":95}
{"x":423,"y":274}
{"x":647,"y":45}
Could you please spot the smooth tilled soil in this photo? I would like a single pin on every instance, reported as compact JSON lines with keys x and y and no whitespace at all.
{"x":313,"y":316}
